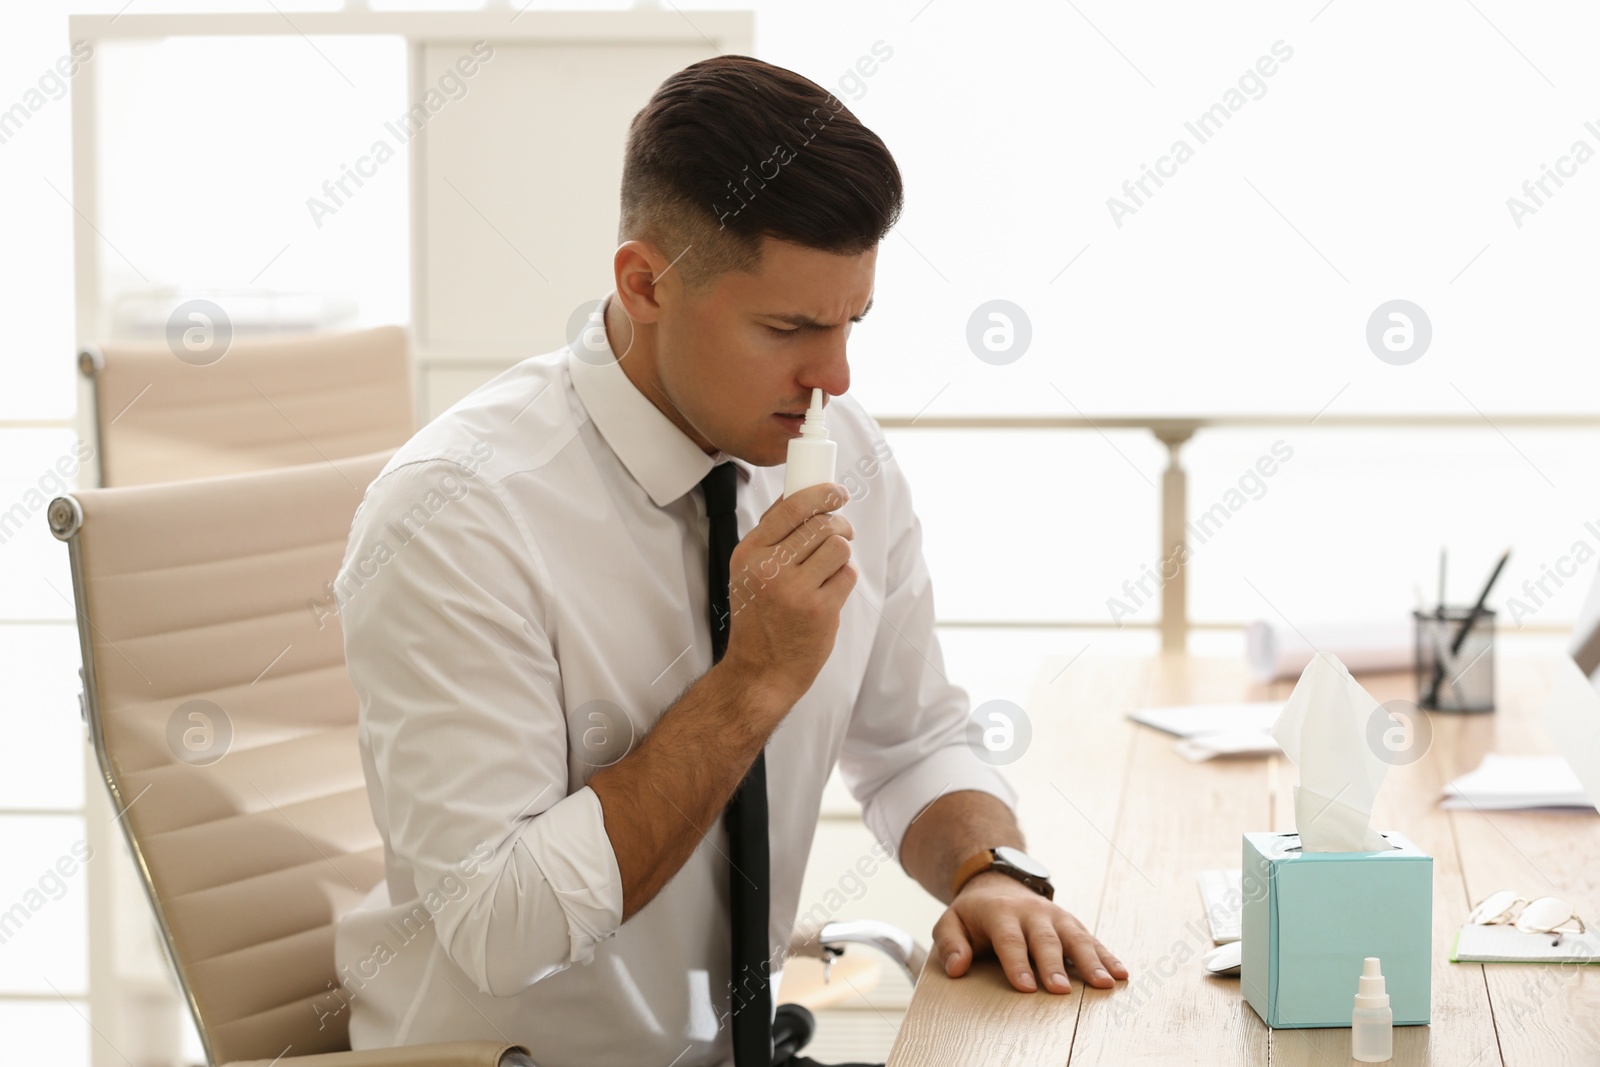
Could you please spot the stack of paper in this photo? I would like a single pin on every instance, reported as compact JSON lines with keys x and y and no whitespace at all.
{"x":1504,"y":783}
{"x":1209,"y":730}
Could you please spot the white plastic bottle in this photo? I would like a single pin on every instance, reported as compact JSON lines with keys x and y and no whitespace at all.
{"x":811,"y":455}
{"x":1372,"y":1023}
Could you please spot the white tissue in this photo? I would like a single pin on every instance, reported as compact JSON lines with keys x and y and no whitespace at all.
{"x":1323,"y":729}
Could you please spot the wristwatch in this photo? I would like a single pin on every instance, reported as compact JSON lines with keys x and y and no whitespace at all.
{"x":1007,"y":860}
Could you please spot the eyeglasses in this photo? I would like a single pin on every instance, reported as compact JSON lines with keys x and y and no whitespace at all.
{"x":1543,"y":915}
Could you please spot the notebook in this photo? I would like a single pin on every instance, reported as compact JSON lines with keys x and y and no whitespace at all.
{"x":1476,"y":943}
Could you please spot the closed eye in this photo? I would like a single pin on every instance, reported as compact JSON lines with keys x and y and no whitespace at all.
{"x":781,"y":330}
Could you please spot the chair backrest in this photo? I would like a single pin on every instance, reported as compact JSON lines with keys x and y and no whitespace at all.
{"x":225,"y":727}
{"x":264,"y":403}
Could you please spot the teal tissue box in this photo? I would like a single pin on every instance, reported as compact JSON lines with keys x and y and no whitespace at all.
{"x":1310,"y":918}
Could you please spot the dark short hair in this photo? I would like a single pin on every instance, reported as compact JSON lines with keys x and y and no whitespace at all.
{"x":732,"y":149}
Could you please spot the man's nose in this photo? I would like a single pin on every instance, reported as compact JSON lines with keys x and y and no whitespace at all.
{"x":830,"y":372}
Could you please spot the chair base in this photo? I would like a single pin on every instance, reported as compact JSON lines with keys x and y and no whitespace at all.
{"x":791,"y":1031}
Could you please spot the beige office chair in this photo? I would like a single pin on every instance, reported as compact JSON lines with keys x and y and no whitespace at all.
{"x":263,"y":403}
{"x":225,"y":727}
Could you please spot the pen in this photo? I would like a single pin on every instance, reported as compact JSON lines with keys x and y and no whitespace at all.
{"x":1466,"y":626}
{"x":1438,"y":610}
{"x":1477,"y":609}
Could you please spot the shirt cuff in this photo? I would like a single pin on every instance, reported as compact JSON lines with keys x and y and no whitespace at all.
{"x":889,"y":812}
{"x":581,"y":870}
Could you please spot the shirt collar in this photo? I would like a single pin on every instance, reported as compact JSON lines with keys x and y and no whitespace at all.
{"x":661,"y":457}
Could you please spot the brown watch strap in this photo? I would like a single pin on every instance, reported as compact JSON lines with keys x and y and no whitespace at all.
{"x":970,"y":868}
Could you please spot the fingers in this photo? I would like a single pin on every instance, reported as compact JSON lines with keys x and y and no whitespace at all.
{"x":1118,"y":970}
{"x":817,"y":549}
{"x":788,"y":512}
{"x":842,"y":582}
{"x":803,"y":532}
{"x":1011,"y":948}
{"x":811,"y":535}
{"x":823,"y":560}
{"x":955,"y":949}
{"x":1098,"y":967}
{"x":1033,"y":946}
{"x":951,"y":946}
{"x":1044,"y":944}
{"x":818,"y":552}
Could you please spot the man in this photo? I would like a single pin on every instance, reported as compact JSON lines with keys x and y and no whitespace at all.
{"x":567,"y":667}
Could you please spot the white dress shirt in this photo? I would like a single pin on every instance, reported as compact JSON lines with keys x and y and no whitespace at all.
{"x":523,"y":594}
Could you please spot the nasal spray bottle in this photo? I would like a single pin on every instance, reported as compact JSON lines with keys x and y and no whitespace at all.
{"x":1372,"y":1023}
{"x":811,"y":455}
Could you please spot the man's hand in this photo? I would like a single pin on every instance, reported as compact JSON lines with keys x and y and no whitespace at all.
{"x":994,"y":910}
{"x":788,"y":581}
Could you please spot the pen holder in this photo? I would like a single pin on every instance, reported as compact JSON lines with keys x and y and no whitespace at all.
{"x":1467,"y":681}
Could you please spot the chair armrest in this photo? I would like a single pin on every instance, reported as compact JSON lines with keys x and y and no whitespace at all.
{"x":449,"y":1054}
{"x":827,"y":941}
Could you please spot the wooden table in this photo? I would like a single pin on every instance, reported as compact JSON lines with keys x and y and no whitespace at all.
{"x":1125,"y":824}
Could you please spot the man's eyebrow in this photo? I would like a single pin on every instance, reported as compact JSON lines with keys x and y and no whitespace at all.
{"x":807,"y":322}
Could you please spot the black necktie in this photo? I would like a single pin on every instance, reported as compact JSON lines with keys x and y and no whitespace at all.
{"x":746,"y":820}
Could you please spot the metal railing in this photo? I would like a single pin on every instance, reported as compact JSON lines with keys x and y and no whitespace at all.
{"x":1174,"y":623}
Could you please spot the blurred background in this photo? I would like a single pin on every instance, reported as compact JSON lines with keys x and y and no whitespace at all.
{"x":1051,"y":341}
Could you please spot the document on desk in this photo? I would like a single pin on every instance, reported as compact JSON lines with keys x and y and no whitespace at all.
{"x":1191,"y":720}
{"x":1510,"y":783}
{"x":1206,"y":731}
{"x":1476,"y":943}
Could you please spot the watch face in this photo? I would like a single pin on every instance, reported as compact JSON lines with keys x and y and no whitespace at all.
{"x":1021,"y":861}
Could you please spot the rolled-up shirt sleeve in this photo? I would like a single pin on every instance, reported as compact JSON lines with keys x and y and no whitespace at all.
{"x":447,"y":636}
{"x":906,"y":745}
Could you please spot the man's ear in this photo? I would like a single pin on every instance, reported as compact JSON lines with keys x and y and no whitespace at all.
{"x":642,"y":276}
